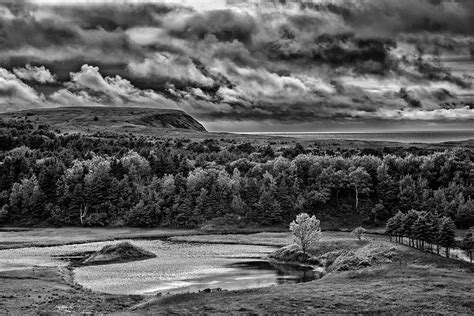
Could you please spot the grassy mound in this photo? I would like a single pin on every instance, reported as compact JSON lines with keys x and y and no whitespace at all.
{"x":292,"y":253}
{"x":354,"y":259}
{"x":122,"y":252}
{"x":335,"y":244}
{"x":337,"y":255}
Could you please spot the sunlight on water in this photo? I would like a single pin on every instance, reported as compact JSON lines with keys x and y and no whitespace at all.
{"x":401,"y":137}
{"x":178,"y":267}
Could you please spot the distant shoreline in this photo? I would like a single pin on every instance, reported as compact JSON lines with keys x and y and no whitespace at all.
{"x":407,"y":137}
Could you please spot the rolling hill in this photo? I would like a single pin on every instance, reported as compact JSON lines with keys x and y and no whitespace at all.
{"x":113,"y":119}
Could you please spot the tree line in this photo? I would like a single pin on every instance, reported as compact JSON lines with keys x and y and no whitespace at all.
{"x":52,"y":178}
{"x":424,"y":231}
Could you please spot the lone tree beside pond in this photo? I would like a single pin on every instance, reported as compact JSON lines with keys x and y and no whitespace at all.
{"x":306,"y":231}
{"x":358,"y":232}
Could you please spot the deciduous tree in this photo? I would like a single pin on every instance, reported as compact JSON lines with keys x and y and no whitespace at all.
{"x":306,"y":231}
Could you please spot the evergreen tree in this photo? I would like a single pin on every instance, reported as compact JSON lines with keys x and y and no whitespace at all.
{"x":408,"y":195}
{"x":144,"y":214}
{"x":269,"y":210}
{"x":4,"y":214}
{"x":407,"y":225}
{"x":284,"y":199}
{"x":237,"y":205}
{"x":27,"y":202}
{"x":386,"y":188}
{"x":394,"y":226}
{"x":432,"y":223}
{"x":420,"y":231}
{"x":378,"y":213}
{"x":184,"y":215}
{"x":446,"y":234}
{"x":468,"y":242}
{"x":49,"y":174}
{"x":465,"y":214}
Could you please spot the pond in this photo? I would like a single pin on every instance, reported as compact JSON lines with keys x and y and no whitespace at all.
{"x":178,"y":268}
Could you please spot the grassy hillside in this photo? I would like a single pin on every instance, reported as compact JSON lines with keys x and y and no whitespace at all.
{"x":113,"y":119}
{"x":175,"y":124}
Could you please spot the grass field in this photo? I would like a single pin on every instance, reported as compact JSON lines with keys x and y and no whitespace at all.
{"x":413,"y":282}
{"x":42,"y":237}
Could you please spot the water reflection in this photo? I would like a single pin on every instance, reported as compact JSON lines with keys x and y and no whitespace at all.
{"x":238,"y":276}
{"x":283,"y":273}
{"x":191,"y":267}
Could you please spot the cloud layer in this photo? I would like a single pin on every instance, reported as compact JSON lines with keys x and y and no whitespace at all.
{"x":287,"y":62}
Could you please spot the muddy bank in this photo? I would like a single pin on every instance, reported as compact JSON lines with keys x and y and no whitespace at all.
{"x":292,"y":254}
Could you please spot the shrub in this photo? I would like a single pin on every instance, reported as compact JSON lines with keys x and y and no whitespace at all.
{"x":359,"y":232}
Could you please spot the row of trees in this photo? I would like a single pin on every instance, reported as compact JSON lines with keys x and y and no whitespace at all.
{"x":54,"y":179}
{"x":424,"y":231}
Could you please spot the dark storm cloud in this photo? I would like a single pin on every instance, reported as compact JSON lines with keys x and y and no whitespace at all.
{"x":225,"y":25}
{"x":116,"y":17}
{"x":26,"y":30}
{"x":388,"y":17}
{"x":31,"y":31}
{"x":283,"y":61}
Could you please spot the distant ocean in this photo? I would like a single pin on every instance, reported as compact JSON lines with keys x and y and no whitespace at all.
{"x":401,"y":137}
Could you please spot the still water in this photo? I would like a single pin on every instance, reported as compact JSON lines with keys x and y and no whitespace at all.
{"x":192,"y":267}
{"x":179,"y":267}
{"x":401,"y":137}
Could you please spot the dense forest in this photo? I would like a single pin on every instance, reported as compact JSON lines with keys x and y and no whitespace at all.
{"x":51,"y":178}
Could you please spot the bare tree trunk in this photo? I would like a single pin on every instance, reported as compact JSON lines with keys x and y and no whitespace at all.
{"x":357,"y":197}
{"x":83,"y":213}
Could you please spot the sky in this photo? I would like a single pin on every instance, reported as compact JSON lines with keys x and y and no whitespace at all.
{"x":247,"y":65}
